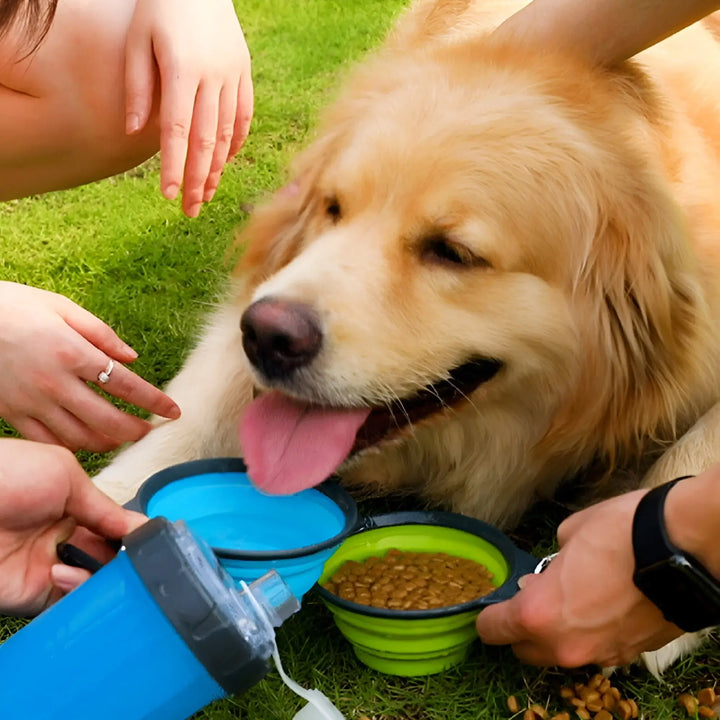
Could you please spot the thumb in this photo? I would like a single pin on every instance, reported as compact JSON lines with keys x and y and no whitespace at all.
{"x":139,"y":81}
{"x":94,"y":510}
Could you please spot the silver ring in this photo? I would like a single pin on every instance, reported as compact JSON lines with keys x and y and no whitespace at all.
{"x":543,"y":564}
{"x":104,"y":375}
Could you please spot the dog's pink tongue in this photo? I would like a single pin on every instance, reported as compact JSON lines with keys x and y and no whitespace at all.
{"x":289,"y":446}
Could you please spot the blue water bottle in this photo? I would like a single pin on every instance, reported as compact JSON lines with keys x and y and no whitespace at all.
{"x":156,"y":634}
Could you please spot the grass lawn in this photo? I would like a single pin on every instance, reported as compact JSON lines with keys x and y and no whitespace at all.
{"x":120,"y":250}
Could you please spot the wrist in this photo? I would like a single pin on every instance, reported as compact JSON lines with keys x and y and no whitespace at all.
{"x":692,"y":509}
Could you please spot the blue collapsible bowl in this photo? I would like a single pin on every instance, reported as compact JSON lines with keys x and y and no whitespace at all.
{"x":251,"y":532}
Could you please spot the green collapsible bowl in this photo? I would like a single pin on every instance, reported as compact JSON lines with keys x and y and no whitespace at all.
{"x":422,"y":642}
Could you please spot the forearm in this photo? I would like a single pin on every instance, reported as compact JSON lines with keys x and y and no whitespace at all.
{"x":603,"y":32}
{"x":692,"y":517}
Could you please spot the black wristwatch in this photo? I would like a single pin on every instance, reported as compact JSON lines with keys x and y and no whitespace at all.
{"x":686,"y":593}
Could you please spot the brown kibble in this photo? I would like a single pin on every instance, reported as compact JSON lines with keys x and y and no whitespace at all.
{"x":577,"y":702}
{"x":603,"y":715}
{"x":561,"y":716}
{"x":633,"y":708}
{"x":594,"y":706}
{"x":604,"y":686}
{"x":411,"y":580}
{"x":540,"y":711}
{"x":688,"y":703}
{"x":590,"y":696}
{"x":583,"y":714}
{"x":624,"y":710}
{"x":513,"y":704}
{"x":566,"y":693}
{"x":529,"y":715}
{"x":615,"y":693}
{"x":705,"y":711}
{"x":707,"y":696}
{"x":595,"y":680}
{"x":608,"y":701}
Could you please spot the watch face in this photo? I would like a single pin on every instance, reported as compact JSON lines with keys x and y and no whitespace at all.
{"x":685,"y":592}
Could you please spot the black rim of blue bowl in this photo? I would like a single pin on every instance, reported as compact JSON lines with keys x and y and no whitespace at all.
{"x":519,"y":563}
{"x":329,"y":488}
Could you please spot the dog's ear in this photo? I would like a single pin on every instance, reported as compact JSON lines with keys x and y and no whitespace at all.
{"x":277,"y":227}
{"x":650,"y":339}
{"x":271,"y":237}
{"x":425,"y":21}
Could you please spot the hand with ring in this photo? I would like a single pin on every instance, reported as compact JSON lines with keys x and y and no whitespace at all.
{"x":50,"y":349}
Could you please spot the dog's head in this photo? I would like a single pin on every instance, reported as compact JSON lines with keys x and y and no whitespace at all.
{"x":476,"y":236}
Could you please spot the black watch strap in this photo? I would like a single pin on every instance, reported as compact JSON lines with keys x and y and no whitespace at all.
{"x":686,"y":593}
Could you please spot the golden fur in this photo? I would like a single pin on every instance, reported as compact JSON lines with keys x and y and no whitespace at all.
{"x":583,"y":206}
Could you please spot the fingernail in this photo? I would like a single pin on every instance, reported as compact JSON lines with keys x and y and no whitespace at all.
{"x":174,"y":413}
{"x":132,"y":123}
{"x":130,"y":351}
{"x":209,"y":195}
{"x":171,"y":191}
{"x":67,"y":578}
{"x":194,"y":210}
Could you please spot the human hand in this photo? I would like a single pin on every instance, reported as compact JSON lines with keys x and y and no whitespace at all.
{"x":50,"y":348}
{"x":584,"y":608}
{"x":44,"y":497}
{"x":206,"y":91}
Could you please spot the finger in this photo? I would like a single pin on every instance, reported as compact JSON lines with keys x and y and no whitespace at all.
{"x":139,"y":82}
{"x":95,"y":331}
{"x":126,"y":385}
{"x":33,"y":429}
{"x":244,"y":114}
{"x":66,"y":578}
{"x":225,"y":129}
{"x":534,"y":653}
{"x":176,"y":113}
{"x":203,"y":136}
{"x":103,"y":425}
{"x":73,"y":433}
{"x":499,"y":624}
{"x":94,"y":510}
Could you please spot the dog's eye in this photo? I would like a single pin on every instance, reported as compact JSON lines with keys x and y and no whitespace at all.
{"x":439,"y":249}
{"x":332,"y":209}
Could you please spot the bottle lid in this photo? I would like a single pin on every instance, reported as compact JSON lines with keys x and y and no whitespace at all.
{"x":225,"y":633}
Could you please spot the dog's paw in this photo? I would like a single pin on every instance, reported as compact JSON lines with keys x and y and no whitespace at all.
{"x":660,"y":660}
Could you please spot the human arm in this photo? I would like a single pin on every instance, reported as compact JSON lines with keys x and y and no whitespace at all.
{"x":584,"y":608}
{"x":197,"y":50}
{"x":603,"y":32}
{"x":44,"y":497}
{"x":108,"y":67}
{"x":50,"y":348}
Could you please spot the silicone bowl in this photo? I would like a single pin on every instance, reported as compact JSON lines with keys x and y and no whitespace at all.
{"x":250,"y":532}
{"x":422,"y":642}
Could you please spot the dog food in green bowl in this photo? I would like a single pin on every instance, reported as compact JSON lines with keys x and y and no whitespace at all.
{"x":411,"y":580}
{"x":417,"y":641}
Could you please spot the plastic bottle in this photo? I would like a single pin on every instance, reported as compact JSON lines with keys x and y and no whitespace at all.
{"x":156,"y":634}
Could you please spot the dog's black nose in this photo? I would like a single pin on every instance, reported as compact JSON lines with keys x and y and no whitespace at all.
{"x":280,"y":336}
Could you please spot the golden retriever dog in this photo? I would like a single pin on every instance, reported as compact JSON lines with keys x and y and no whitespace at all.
{"x":495,"y":267}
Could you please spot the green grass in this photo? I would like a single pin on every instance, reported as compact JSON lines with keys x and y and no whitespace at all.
{"x":120,"y":250}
